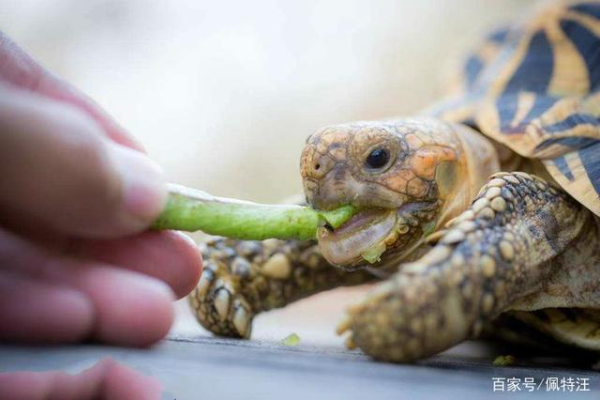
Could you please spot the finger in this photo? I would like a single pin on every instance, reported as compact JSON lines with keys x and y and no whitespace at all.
{"x":27,"y":385}
{"x":106,"y":304}
{"x":19,"y":69}
{"x":33,"y":311}
{"x":123,"y":383}
{"x":58,"y":169}
{"x":169,"y":256}
{"x":107,"y":380}
{"x":129,"y":308}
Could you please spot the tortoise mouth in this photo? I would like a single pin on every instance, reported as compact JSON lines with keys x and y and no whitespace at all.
{"x":364,"y":237}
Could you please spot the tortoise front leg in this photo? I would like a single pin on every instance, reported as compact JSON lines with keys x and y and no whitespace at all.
{"x":244,"y":278}
{"x":496,"y":252}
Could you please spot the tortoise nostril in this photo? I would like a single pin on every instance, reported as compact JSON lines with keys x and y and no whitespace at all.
{"x":317,"y":166}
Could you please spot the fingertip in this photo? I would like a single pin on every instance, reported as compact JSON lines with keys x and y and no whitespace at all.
{"x":85,"y":184}
{"x":131,"y":309}
{"x":170,"y":256}
{"x":144,"y":186}
{"x":189,"y":268}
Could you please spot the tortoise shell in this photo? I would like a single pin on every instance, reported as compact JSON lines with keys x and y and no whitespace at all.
{"x":535,"y":88}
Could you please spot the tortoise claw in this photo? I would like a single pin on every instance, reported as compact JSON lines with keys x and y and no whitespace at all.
{"x":221,"y":303}
{"x":218,"y":303}
{"x":205,"y":282}
{"x":344,"y":325}
{"x":350,"y":343}
{"x":242,"y":320}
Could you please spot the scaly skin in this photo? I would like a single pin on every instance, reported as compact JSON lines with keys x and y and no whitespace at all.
{"x":521,"y":246}
{"x":498,"y":251}
{"x":244,"y":278}
{"x":505,"y":249}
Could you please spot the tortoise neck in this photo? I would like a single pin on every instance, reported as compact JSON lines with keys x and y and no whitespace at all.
{"x":478,"y":161}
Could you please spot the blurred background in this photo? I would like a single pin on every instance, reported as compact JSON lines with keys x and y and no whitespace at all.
{"x":223,"y":94}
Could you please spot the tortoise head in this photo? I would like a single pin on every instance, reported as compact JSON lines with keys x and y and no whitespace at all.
{"x":406,"y":177}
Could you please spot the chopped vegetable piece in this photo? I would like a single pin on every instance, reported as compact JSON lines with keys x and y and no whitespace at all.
{"x":504,"y":361}
{"x":291,"y":340}
{"x":373,"y":255}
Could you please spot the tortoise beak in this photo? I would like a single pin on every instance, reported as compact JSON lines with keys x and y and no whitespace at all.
{"x":361,"y":238}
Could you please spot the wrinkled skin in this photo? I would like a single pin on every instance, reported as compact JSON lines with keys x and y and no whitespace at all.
{"x":460,"y":245}
{"x":479,"y":245}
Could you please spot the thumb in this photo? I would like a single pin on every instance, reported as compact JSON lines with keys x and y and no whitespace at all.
{"x":61,"y":170}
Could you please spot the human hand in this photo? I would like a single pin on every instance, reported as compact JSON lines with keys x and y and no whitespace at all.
{"x":76,"y":196}
{"x":107,"y":379}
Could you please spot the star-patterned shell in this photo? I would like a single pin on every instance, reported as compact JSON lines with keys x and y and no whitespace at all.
{"x":536,"y":89}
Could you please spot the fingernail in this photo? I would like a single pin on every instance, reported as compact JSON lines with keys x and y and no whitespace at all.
{"x":144,"y":185}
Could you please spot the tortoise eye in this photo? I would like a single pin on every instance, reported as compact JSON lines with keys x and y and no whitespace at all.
{"x":378,"y":158}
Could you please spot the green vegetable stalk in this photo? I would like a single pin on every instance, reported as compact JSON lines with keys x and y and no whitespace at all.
{"x":193,"y":210}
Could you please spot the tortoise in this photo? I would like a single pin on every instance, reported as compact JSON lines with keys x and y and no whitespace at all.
{"x":479,"y":215}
